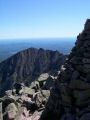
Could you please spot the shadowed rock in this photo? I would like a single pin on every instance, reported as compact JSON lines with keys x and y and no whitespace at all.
{"x":70,"y":96}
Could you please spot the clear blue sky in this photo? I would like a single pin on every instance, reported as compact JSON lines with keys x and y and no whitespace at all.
{"x":42,"y":18}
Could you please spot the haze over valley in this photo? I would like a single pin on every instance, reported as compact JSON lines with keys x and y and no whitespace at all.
{"x":11,"y":47}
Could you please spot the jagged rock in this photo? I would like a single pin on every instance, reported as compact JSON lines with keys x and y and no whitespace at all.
{"x":8,"y":92}
{"x":11,"y":111}
{"x":63,"y":68}
{"x":46,"y":94}
{"x":87,"y":25}
{"x":36,"y":115}
{"x":42,"y":79}
{"x":35,"y":85}
{"x":28,"y":91}
{"x":41,"y":98}
{"x":24,"y":102}
{"x":23,"y":114}
{"x":72,"y":88}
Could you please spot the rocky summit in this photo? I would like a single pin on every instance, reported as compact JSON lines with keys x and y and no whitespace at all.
{"x":70,"y":96}
{"x":26,"y":102}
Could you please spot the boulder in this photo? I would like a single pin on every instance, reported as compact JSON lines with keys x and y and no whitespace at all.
{"x":41,"y":98}
{"x":8,"y":92}
{"x":35,"y":85}
{"x":11,"y":111}
{"x":36,"y":115}
{"x":42,"y":78}
{"x":28,"y":91}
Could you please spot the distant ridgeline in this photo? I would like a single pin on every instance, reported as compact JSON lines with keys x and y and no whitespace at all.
{"x":27,"y":65}
{"x":11,"y":47}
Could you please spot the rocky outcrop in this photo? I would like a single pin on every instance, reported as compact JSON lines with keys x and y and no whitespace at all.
{"x":23,"y":105}
{"x":26,"y":103}
{"x":27,"y":65}
{"x":70,"y":96}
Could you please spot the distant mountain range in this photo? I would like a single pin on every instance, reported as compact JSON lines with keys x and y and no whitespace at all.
{"x":11,"y":47}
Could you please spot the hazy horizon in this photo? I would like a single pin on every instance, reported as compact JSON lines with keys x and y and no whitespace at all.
{"x":10,"y":47}
{"x":52,"y":38}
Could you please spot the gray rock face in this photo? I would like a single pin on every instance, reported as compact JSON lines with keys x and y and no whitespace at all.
{"x":11,"y":111}
{"x":70,"y":96}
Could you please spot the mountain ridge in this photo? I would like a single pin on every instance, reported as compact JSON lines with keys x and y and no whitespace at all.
{"x":25,"y":66}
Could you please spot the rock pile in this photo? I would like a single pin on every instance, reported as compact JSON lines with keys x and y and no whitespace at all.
{"x":26,"y":103}
{"x":70,"y":96}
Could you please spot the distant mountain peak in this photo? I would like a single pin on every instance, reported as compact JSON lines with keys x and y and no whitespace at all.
{"x":87,"y":25}
{"x":25,"y":66}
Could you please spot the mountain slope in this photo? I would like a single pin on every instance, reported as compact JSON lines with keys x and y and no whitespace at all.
{"x":27,"y":65}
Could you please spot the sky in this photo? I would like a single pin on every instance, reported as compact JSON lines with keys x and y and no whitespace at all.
{"x":42,"y":18}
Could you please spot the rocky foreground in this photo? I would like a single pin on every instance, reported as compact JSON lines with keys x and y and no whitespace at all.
{"x":70,"y":96}
{"x":26,"y":103}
